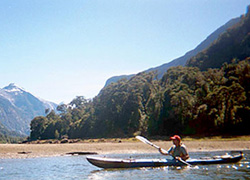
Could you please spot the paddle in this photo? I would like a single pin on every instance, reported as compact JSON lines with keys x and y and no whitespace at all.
{"x":144,"y":140}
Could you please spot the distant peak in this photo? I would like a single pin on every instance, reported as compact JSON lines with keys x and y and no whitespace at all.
{"x":13,"y":87}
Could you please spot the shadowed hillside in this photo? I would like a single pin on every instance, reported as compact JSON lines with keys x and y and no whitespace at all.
{"x":233,"y":44}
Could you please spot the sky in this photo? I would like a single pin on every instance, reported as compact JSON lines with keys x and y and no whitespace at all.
{"x":60,"y":49}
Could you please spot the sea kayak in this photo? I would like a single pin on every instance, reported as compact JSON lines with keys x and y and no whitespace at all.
{"x":105,"y":162}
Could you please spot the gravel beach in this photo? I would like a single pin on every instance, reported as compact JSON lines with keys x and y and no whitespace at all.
{"x":49,"y":150}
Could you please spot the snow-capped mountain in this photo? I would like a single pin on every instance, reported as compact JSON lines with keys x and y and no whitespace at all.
{"x":18,"y":107}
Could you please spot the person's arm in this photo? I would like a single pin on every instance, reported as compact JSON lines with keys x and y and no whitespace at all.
{"x":184,"y":157}
{"x":164,"y":152}
{"x":184,"y":154}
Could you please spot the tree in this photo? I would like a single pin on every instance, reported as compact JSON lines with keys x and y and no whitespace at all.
{"x":37,"y":127}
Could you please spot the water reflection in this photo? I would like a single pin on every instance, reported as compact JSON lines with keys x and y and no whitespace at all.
{"x":234,"y":171}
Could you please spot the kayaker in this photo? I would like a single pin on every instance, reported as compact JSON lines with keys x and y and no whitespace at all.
{"x":178,"y":150}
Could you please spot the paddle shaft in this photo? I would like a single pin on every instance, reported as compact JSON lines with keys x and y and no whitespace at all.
{"x":144,"y":140}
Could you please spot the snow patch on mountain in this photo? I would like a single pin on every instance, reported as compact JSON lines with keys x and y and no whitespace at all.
{"x":18,"y":107}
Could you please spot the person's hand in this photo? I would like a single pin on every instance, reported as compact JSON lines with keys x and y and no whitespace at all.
{"x":160,"y":150}
{"x":178,"y":158}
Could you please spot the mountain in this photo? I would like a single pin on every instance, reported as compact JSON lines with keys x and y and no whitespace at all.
{"x":185,"y":100}
{"x":4,"y":132}
{"x":18,"y":107}
{"x":181,"y":61}
{"x":232,"y":44}
{"x":117,"y":78}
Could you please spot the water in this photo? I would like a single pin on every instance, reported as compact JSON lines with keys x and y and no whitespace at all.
{"x":77,"y":167}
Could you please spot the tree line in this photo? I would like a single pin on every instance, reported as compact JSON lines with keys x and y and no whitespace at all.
{"x":185,"y":101}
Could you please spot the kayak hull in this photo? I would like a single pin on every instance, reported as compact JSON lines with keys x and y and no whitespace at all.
{"x":104,"y":162}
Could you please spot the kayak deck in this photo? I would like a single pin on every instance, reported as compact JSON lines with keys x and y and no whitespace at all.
{"x":104,"y":162}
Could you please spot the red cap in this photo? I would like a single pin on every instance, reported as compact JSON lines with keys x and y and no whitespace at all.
{"x":176,"y":137}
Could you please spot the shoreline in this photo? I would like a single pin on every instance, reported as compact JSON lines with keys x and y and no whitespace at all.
{"x":20,"y":151}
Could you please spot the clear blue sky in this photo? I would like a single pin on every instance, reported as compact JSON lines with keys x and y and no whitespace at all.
{"x":60,"y":49}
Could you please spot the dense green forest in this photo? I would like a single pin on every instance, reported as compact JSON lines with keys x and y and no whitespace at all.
{"x":210,"y":96}
{"x":185,"y":101}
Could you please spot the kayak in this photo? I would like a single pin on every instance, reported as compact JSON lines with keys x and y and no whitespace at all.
{"x":105,"y":162}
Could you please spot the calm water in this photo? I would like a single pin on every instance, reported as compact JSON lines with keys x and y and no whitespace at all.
{"x":77,"y":167}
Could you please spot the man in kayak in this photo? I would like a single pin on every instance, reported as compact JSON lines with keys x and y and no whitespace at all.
{"x":178,"y":150}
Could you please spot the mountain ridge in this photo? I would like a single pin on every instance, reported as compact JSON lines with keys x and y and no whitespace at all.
{"x":18,"y":107}
{"x":181,"y":61}
{"x":232,"y":44}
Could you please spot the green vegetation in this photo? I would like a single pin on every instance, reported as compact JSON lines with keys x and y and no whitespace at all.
{"x":10,"y":139}
{"x":211,"y":96}
{"x":7,"y":136}
{"x":185,"y":101}
{"x":233,"y":44}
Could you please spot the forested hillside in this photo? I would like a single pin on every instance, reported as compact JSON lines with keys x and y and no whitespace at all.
{"x":186,"y":101}
{"x":210,"y":96}
{"x":232,"y":44}
{"x":181,"y":61}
